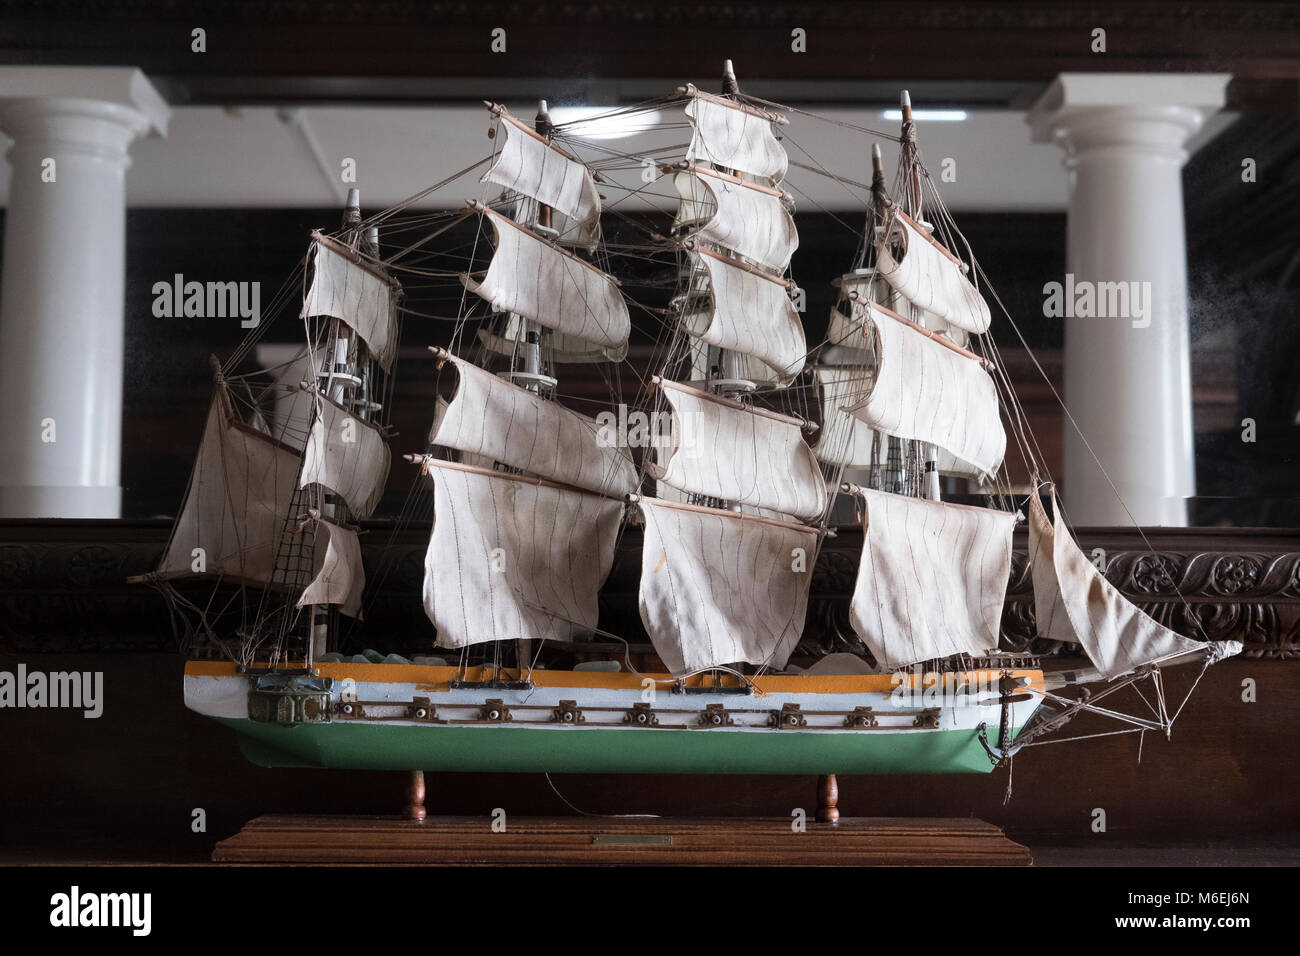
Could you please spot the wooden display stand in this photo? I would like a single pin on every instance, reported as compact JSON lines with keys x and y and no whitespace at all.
{"x":603,"y":840}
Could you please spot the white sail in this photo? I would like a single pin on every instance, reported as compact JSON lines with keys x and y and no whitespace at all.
{"x":932,"y":580}
{"x":946,"y":463}
{"x":526,"y":164}
{"x":746,"y":219}
{"x":486,"y":462}
{"x":725,"y":450}
{"x":696,"y":204}
{"x":927,"y":278}
{"x":932,"y":322}
{"x":720,"y":588}
{"x":495,"y":420}
{"x":752,"y":314}
{"x":1050,"y":616}
{"x":735,"y":137}
{"x":1074,"y":602}
{"x":748,"y":367}
{"x":240,"y":491}
{"x":532,"y":278}
{"x":512,"y":559}
{"x":846,"y":328}
{"x":925,"y":391}
{"x":346,"y":455}
{"x":843,"y":439}
{"x":360,"y":296}
{"x":666,"y":492}
{"x":341,"y":577}
{"x":569,"y":231}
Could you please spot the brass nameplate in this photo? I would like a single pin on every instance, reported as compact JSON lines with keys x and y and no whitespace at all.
{"x":630,"y":839}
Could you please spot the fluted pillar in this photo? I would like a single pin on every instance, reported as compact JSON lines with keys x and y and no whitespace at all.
{"x":61,"y":308}
{"x":1124,"y":298}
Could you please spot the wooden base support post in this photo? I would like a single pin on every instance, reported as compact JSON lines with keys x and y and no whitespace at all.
{"x":828,"y":796}
{"x":415,"y":797}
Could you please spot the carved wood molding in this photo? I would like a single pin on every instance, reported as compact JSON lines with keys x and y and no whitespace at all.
{"x":62,"y":587}
{"x":1244,"y":595}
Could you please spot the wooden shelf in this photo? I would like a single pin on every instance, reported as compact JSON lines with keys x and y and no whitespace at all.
{"x":607,"y":841}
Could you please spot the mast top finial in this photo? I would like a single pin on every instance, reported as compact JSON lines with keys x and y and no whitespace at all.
{"x":729,"y":84}
{"x":542,"y":122}
{"x":352,"y":211}
{"x":875,"y":151}
{"x":905,"y":98}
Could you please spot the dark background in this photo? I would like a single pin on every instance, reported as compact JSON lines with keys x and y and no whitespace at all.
{"x":122,"y":787}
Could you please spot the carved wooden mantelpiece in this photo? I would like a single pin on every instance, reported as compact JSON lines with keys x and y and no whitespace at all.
{"x":62,"y":587}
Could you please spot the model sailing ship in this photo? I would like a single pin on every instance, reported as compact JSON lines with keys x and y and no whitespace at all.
{"x":735,"y":495}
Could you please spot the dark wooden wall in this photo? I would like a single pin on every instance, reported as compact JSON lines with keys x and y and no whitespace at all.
{"x":123,"y":786}
{"x":410,"y":50}
{"x":168,"y":385}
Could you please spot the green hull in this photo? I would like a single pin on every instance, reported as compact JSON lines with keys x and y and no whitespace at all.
{"x":359,"y":746}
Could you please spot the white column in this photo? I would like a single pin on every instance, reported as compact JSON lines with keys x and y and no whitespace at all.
{"x":61,"y":305}
{"x":1127,"y":376}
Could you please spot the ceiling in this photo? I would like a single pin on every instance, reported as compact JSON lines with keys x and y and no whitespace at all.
{"x":284,"y":91}
{"x":265,"y":157}
{"x":268,"y":157}
{"x":426,"y":51}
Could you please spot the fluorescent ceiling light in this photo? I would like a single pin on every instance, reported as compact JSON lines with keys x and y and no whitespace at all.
{"x":934,"y":116}
{"x":602,"y":122}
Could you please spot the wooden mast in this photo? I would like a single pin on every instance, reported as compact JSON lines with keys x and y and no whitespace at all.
{"x":530,"y":342}
{"x":334,"y":381}
{"x":930,"y":463}
{"x":892,"y":478}
{"x":905,"y":107}
{"x":346,"y":380}
{"x":530,"y":333}
{"x":730,"y":362}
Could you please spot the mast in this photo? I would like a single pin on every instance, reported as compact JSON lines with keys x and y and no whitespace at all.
{"x":892,"y":478}
{"x":908,"y":135}
{"x":739,"y":491}
{"x":929,"y":390}
{"x":729,"y":382}
{"x":279,"y":516}
{"x":927,"y":452}
{"x":526,"y":519}
{"x":935,"y":405}
{"x":526,"y":367}
{"x":726,"y":370}
{"x":345,"y":378}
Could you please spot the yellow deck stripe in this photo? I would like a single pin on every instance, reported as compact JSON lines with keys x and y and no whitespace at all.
{"x":438,"y":678}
